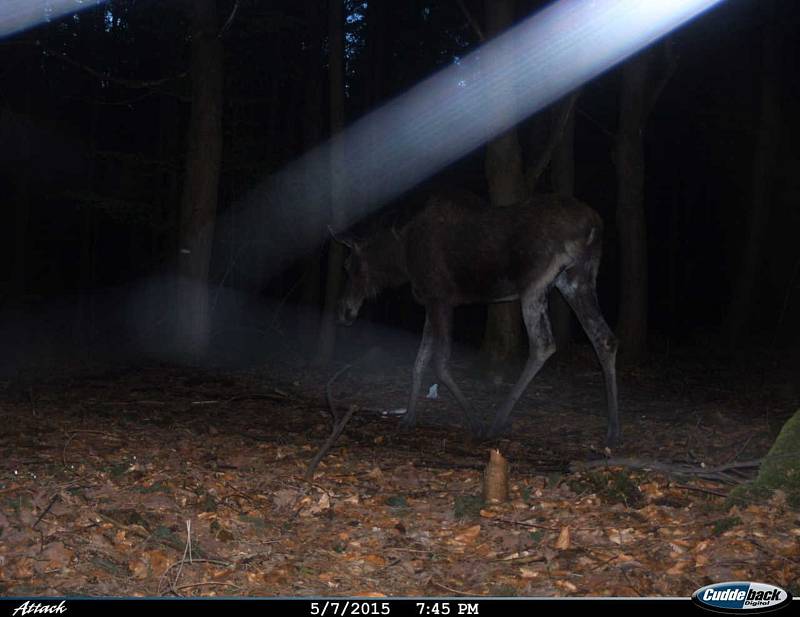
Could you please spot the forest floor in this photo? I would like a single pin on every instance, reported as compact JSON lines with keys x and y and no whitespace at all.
{"x":172,"y":481}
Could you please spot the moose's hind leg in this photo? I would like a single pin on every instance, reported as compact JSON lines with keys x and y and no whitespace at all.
{"x":541,"y":346}
{"x":578,"y":288}
{"x":426,"y":348}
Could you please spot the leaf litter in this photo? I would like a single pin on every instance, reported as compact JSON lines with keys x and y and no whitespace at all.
{"x":125,"y":485}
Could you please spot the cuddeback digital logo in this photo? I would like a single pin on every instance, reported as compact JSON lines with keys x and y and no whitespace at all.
{"x":741,"y":597}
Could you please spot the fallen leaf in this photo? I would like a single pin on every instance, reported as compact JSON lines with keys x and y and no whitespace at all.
{"x":567,"y":585}
{"x":563,"y":542}
{"x":678,"y":568}
{"x":139,"y":568}
{"x":468,"y":536}
{"x":375,"y":560}
{"x":284,"y":498}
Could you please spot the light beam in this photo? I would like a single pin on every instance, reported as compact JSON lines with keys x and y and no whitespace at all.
{"x":18,"y":15}
{"x":453,"y":112}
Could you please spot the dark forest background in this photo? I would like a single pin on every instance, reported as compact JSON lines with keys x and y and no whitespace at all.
{"x":113,"y":120}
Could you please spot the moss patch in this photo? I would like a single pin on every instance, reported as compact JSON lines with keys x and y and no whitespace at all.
{"x":779,"y":470}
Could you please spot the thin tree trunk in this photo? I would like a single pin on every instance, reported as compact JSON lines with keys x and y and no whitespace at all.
{"x":638,"y":96}
{"x":632,"y":326}
{"x":308,"y":316}
{"x":502,"y":341}
{"x":763,"y":165}
{"x":333,"y":281}
{"x":83,"y":327}
{"x":201,"y":181}
{"x":22,"y":207}
{"x":563,"y":181}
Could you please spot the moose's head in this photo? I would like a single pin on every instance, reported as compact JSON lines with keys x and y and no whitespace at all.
{"x":372,"y":265}
{"x":357,"y":284}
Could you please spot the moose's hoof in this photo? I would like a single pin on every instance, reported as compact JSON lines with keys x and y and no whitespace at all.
{"x":408,"y":423}
{"x":497,"y":430}
{"x":613,"y":438}
{"x":476,"y":432}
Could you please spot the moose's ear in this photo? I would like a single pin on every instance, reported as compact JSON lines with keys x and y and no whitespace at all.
{"x":343,"y":238}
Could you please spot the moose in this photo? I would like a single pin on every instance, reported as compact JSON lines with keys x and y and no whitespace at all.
{"x":456,"y":250}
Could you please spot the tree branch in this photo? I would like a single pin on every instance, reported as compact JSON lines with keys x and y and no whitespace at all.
{"x":121,"y":81}
{"x":471,"y":21}
{"x":535,"y":171}
{"x":720,"y":473}
{"x":670,"y":65}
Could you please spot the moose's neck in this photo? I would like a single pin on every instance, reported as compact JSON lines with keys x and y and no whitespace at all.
{"x":389,"y":264}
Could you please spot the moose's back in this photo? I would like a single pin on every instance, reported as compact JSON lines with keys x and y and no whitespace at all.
{"x":460,"y":251}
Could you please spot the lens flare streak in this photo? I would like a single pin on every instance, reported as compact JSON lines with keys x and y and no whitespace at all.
{"x":453,"y":112}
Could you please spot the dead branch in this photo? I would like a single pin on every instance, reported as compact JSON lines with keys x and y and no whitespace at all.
{"x":224,"y":30}
{"x":471,"y":21}
{"x":720,"y":473}
{"x":74,"y":434}
{"x":329,"y":396}
{"x":180,"y":564}
{"x":46,"y":510}
{"x":524,"y":524}
{"x":556,"y":135}
{"x":701,"y":489}
{"x":603,"y":129}
{"x":338,"y":424}
{"x":670,"y":65}
{"x":206,"y":584}
{"x":337,"y":430}
{"x":102,"y":76}
{"x":458,"y":592}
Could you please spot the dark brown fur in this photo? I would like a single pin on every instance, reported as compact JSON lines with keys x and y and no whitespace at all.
{"x":459,"y":251}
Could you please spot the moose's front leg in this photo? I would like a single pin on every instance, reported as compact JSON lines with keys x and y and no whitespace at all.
{"x":426,"y":348}
{"x":442,"y":323}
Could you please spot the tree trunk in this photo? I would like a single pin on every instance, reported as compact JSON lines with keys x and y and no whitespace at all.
{"x":632,"y":326}
{"x":308,"y":316}
{"x":763,"y":165}
{"x":22,"y":207}
{"x":502,"y":340}
{"x":563,"y":181}
{"x":201,"y":181}
{"x":333,"y":281}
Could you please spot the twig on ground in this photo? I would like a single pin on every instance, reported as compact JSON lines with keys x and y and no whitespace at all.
{"x":180,"y":563}
{"x":72,"y":436}
{"x":524,"y":524}
{"x":702,"y":489}
{"x":207,"y":584}
{"x":720,"y":473}
{"x":46,"y":510}
{"x":337,"y":430}
{"x":329,"y":396}
{"x":338,"y":424}
{"x":456,"y":591}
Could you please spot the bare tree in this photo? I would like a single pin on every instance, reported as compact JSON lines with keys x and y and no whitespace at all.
{"x":502,"y":341}
{"x":333,"y":281}
{"x":307,"y":321}
{"x":201,"y":181}
{"x":767,"y":137}
{"x":638,"y":95}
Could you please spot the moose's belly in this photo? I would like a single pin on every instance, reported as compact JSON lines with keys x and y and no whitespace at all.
{"x":499,"y":289}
